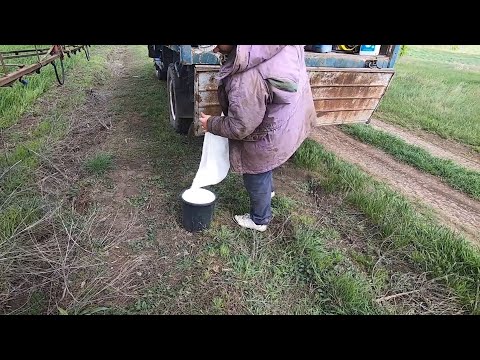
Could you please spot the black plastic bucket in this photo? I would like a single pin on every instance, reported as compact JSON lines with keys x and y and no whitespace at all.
{"x":197,"y":217}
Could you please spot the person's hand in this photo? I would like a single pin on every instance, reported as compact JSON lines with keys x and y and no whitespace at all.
{"x":203,"y":120}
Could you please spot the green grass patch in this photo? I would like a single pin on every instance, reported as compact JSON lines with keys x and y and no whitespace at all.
{"x":298,"y":274}
{"x":342,"y":287}
{"x":291,"y":268}
{"x":431,"y":247}
{"x":437,"y":91}
{"x":99,"y":164}
{"x":456,"y":176}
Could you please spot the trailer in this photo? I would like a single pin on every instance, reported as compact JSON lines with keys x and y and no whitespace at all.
{"x":347,"y":87}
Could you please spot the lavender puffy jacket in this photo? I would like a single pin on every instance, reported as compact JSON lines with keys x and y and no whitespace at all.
{"x":265,"y":91}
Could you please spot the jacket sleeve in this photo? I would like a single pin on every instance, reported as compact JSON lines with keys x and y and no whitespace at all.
{"x":247,"y":103}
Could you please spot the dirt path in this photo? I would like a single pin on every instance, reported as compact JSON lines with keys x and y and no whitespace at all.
{"x":141,"y":195}
{"x":454,"y":208}
{"x":437,"y":146}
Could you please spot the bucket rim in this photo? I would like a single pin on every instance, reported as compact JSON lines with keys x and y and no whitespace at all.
{"x":198,"y":205}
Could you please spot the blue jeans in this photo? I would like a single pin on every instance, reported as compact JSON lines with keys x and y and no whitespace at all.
{"x":259,"y":188}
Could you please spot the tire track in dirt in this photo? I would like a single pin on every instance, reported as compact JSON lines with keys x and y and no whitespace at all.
{"x":442,"y":148}
{"x":454,"y":208}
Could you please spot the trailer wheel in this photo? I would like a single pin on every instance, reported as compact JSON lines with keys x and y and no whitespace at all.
{"x":181,"y":125}
{"x":160,"y":73}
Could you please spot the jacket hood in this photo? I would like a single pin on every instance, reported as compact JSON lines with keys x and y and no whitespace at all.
{"x":245,"y":57}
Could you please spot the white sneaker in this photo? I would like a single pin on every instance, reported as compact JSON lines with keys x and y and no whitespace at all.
{"x":273,"y":194}
{"x":246,"y":222}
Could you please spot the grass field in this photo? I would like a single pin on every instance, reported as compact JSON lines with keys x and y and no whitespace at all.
{"x":424,"y":243}
{"x":436,"y":89}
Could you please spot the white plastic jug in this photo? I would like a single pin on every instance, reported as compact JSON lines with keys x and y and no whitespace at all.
{"x":369,"y":50}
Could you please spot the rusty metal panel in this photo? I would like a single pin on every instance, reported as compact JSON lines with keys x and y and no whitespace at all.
{"x":342,"y":117}
{"x":345,"y":104}
{"x":344,"y":96}
{"x":349,"y":77}
{"x":340,"y":96}
{"x":348,"y":92}
{"x":205,"y":90}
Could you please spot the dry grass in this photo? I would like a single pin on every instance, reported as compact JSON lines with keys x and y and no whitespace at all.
{"x":65,"y":256}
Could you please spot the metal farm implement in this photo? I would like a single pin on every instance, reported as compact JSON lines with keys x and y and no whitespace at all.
{"x":12,"y":68}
